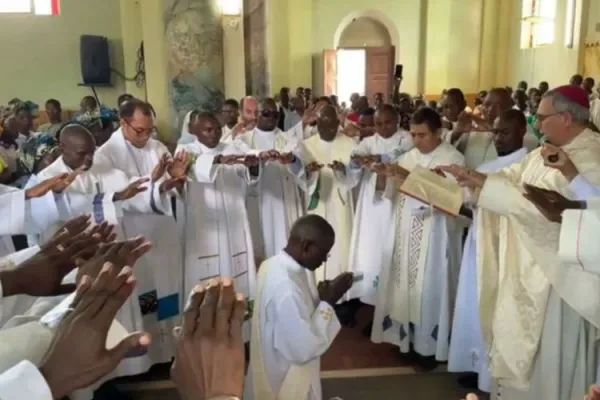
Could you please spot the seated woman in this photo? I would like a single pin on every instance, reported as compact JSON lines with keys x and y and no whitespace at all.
{"x":101,"y":122}
{"x":9,"y":149}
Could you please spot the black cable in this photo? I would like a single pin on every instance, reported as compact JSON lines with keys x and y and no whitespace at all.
{"x":140,"y":69}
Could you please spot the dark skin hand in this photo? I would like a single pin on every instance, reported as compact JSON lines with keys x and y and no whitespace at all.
{"x":270,"y":155}
{"x":287,"y":158}
{"x":179,"y":166}
{"x":337,"y":166}
{"x":209,"y":358}
{"x":118,"y":254}
{"x":42,"y":274}
{"x":55,"y":184}
{"x":132,"y":190}
{"x":160,"y":168}
{"x":549,"y":203}
{"x":86,"y":329}
{"x":332,"y":291}
{"x":313,"y":167}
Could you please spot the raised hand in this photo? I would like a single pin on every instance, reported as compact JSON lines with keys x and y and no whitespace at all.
{"x":172,"y":183}
{"x":269,"y":155}
{"x":132,"y":190}
{"x":313,"y":167}
{"x":159,"y":170}
{"x":179,"y":166}
{"x":56,"y":184}
{"x":72,"y":227}
{"x":337,"y":166}
{"x":120,"y":254}
{"x":332,"y":291}
{"x":593,"y":393}
{"x":43,"y":274}
{"x":464,"y":123}
{"x":103,"y":232}
{"x":549,"y":203}
{"x":310,"y":116}
{"x":209,"y":349}
{"x":86,"y":329}
{"x":351,"y":130}
{"x":464,"y":176}
{"x":555,"y":157}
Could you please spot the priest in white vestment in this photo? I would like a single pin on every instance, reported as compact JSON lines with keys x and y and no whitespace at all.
{"x":421,"y":257}
{"x":328,"y":189}
{"x":539,"y":316}
{"x":472,"y":136}
{"x":467,"y":350}
{"x":217,"y":241}
{"x":274,"y":203}
{"x":374,"y":211}
{"x":292,"y":325}
{"x":132,"y":150}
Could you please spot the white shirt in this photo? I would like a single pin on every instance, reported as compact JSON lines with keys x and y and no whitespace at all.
{"x":24,"y":382}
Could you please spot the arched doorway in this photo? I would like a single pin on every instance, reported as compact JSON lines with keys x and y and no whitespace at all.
{"x":364,"y":56}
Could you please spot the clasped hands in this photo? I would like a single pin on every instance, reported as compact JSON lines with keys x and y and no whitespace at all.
{"x":332,"y":291}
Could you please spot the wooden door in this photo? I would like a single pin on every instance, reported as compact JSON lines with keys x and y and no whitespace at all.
{"x":329,"y":72}
{"x":380,"y":71}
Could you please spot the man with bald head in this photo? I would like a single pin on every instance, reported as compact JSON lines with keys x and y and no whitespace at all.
{"x":292,"y":324}
{"x":274,"y":203}
{"x":328,"y":189}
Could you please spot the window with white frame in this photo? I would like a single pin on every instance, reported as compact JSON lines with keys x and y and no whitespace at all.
{"x":538,"y":18}
{"x":37,"y":7}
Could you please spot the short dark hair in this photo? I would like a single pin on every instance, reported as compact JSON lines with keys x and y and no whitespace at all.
{"x":54,"y":102}
{"x":515,"y":116}
{"x":197,"y":115}
{"x":429,"y":117}
{"x":232,"y":102}
{"x":128,"y":108}
{"x":368,"y":112}
{"x":325,"y":99}
{"x":124,"y":97}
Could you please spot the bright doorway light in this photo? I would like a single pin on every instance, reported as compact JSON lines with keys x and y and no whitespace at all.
{"x":351,"y":73}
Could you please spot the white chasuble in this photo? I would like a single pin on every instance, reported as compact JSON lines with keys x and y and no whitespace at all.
{"x":274,"y":203}
{"x":216,"y":232}
{"x":159,"y":289}
{"x":532,"y":310}
{"x":468,"y":353}
{"x":373,"y":214}
{"x":291,"y":329}
{"x":419,"y":274}
{"x":329,"y":195}
{"x":477,"y":147}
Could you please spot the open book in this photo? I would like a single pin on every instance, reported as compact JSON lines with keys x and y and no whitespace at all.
{"x":431,"y":188}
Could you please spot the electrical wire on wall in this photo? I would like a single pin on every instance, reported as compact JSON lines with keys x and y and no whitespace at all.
{"x":140,"y":69}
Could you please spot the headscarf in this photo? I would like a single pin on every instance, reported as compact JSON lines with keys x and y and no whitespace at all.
{"x":186,"y":137}
{"x":13,"y":108}
{"x":33,"y":150}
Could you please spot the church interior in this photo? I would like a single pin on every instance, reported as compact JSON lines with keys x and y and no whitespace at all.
{"x":184,"y":54}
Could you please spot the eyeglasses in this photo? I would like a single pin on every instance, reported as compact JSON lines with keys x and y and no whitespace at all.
{"x":140,"y":131}
{"x":269,"y":114}
{"x":542,"y":117}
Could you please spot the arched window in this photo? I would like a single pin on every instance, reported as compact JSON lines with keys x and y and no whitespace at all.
{"x":537,"y":23}
{"x":37,"y":7}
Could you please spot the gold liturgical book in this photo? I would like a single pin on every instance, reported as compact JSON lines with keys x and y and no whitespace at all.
{"x":431,"y":188}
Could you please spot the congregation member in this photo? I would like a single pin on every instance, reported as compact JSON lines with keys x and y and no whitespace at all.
{"x":275,"y":200}
{"x":292,"y":326}
{"x":421,"y":256}
{"x":559,"y":320}
{"x":54,"y":113}
{"x":373,"y":210}
{"x":467,"y":349}
{"x":133,"y":150}
{"x":216,"y":231}
{"x":327,"y":187}
{"x":230,"y":114}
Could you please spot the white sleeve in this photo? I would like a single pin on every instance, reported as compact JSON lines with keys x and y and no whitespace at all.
{"x":13,"y":207}
{"x":302,"y":336}
{"x":583,"y":189}
{"x":24,"y":381}
{"x":578,"y":245}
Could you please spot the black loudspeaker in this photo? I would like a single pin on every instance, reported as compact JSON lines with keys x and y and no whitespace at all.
{"x":398,"y":71}
{"x":95,"y":60}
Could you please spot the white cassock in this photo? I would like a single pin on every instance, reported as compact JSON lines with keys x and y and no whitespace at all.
{"x":159,"y":288}
{"x":186,"y":137}
{"x":477,"y":147}
{"x":24,"y":381}
{"x":291,"y":329}
{"x":595,"y":112}
{"x":226,"y":134}
{"x":274,"y":203}
{"x":329,"y":195}
{"x":467,"y":349}
{"x":373,"y":215}
{"x":419,"y":274}
{"x":214,"y":222}
{"x":538,"y":316}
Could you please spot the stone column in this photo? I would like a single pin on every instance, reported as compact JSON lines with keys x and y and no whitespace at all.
{"x":255,"y":47}
{"x":194,"y":51}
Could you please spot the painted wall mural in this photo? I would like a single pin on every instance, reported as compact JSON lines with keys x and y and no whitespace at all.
{"x":194,"y":41}
{"x":255,"y":47}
